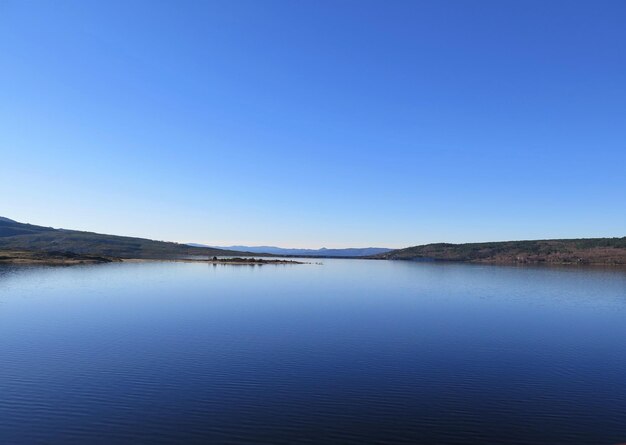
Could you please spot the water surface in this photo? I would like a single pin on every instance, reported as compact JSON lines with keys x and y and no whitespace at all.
{"x":350,"y":351}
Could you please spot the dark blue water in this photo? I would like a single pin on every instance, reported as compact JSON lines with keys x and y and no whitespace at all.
{"x":346,"y":352}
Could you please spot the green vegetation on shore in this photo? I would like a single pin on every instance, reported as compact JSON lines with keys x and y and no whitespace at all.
{"x":564,"y":251}
{"x":51,"y":258}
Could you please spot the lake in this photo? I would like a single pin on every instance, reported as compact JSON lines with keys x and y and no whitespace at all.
{"x":346,"y":352}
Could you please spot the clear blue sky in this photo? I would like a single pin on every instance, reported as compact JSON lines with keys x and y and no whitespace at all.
{"x":315,"y":123}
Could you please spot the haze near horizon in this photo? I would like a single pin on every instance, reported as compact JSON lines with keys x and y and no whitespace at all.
{"x":310,"y":124}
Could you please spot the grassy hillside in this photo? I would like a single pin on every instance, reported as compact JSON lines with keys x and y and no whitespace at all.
{"x":566,"y":251}
{"x":27,"y":237}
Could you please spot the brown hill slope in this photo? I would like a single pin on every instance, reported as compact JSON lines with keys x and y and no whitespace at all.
{"x":559,"y":251}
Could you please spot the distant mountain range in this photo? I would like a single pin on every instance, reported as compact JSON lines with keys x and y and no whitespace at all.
{"x":323,"y":252}
{"x":16,"y":236}
{"x":558,"y":251}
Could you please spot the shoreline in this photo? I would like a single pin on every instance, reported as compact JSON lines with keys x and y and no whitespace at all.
{"x":51,"y":258}
{"x":24,"y":257}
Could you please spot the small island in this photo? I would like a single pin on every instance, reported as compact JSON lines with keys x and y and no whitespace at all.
{"x":235,"y":261}
{"x":239,"y":260}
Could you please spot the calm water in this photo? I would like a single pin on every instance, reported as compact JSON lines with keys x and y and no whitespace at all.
{"x":346,"y":352}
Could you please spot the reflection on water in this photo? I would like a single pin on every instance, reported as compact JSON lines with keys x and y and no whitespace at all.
{"x":350,"y":351}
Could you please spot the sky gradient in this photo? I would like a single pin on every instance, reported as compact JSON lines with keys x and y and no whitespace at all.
{"x":315,"y":123}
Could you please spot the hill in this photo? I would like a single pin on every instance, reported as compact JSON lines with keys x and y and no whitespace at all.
{"x":564,"y":251}
{"x":16,"y":236}
{"x":323,"y":252}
